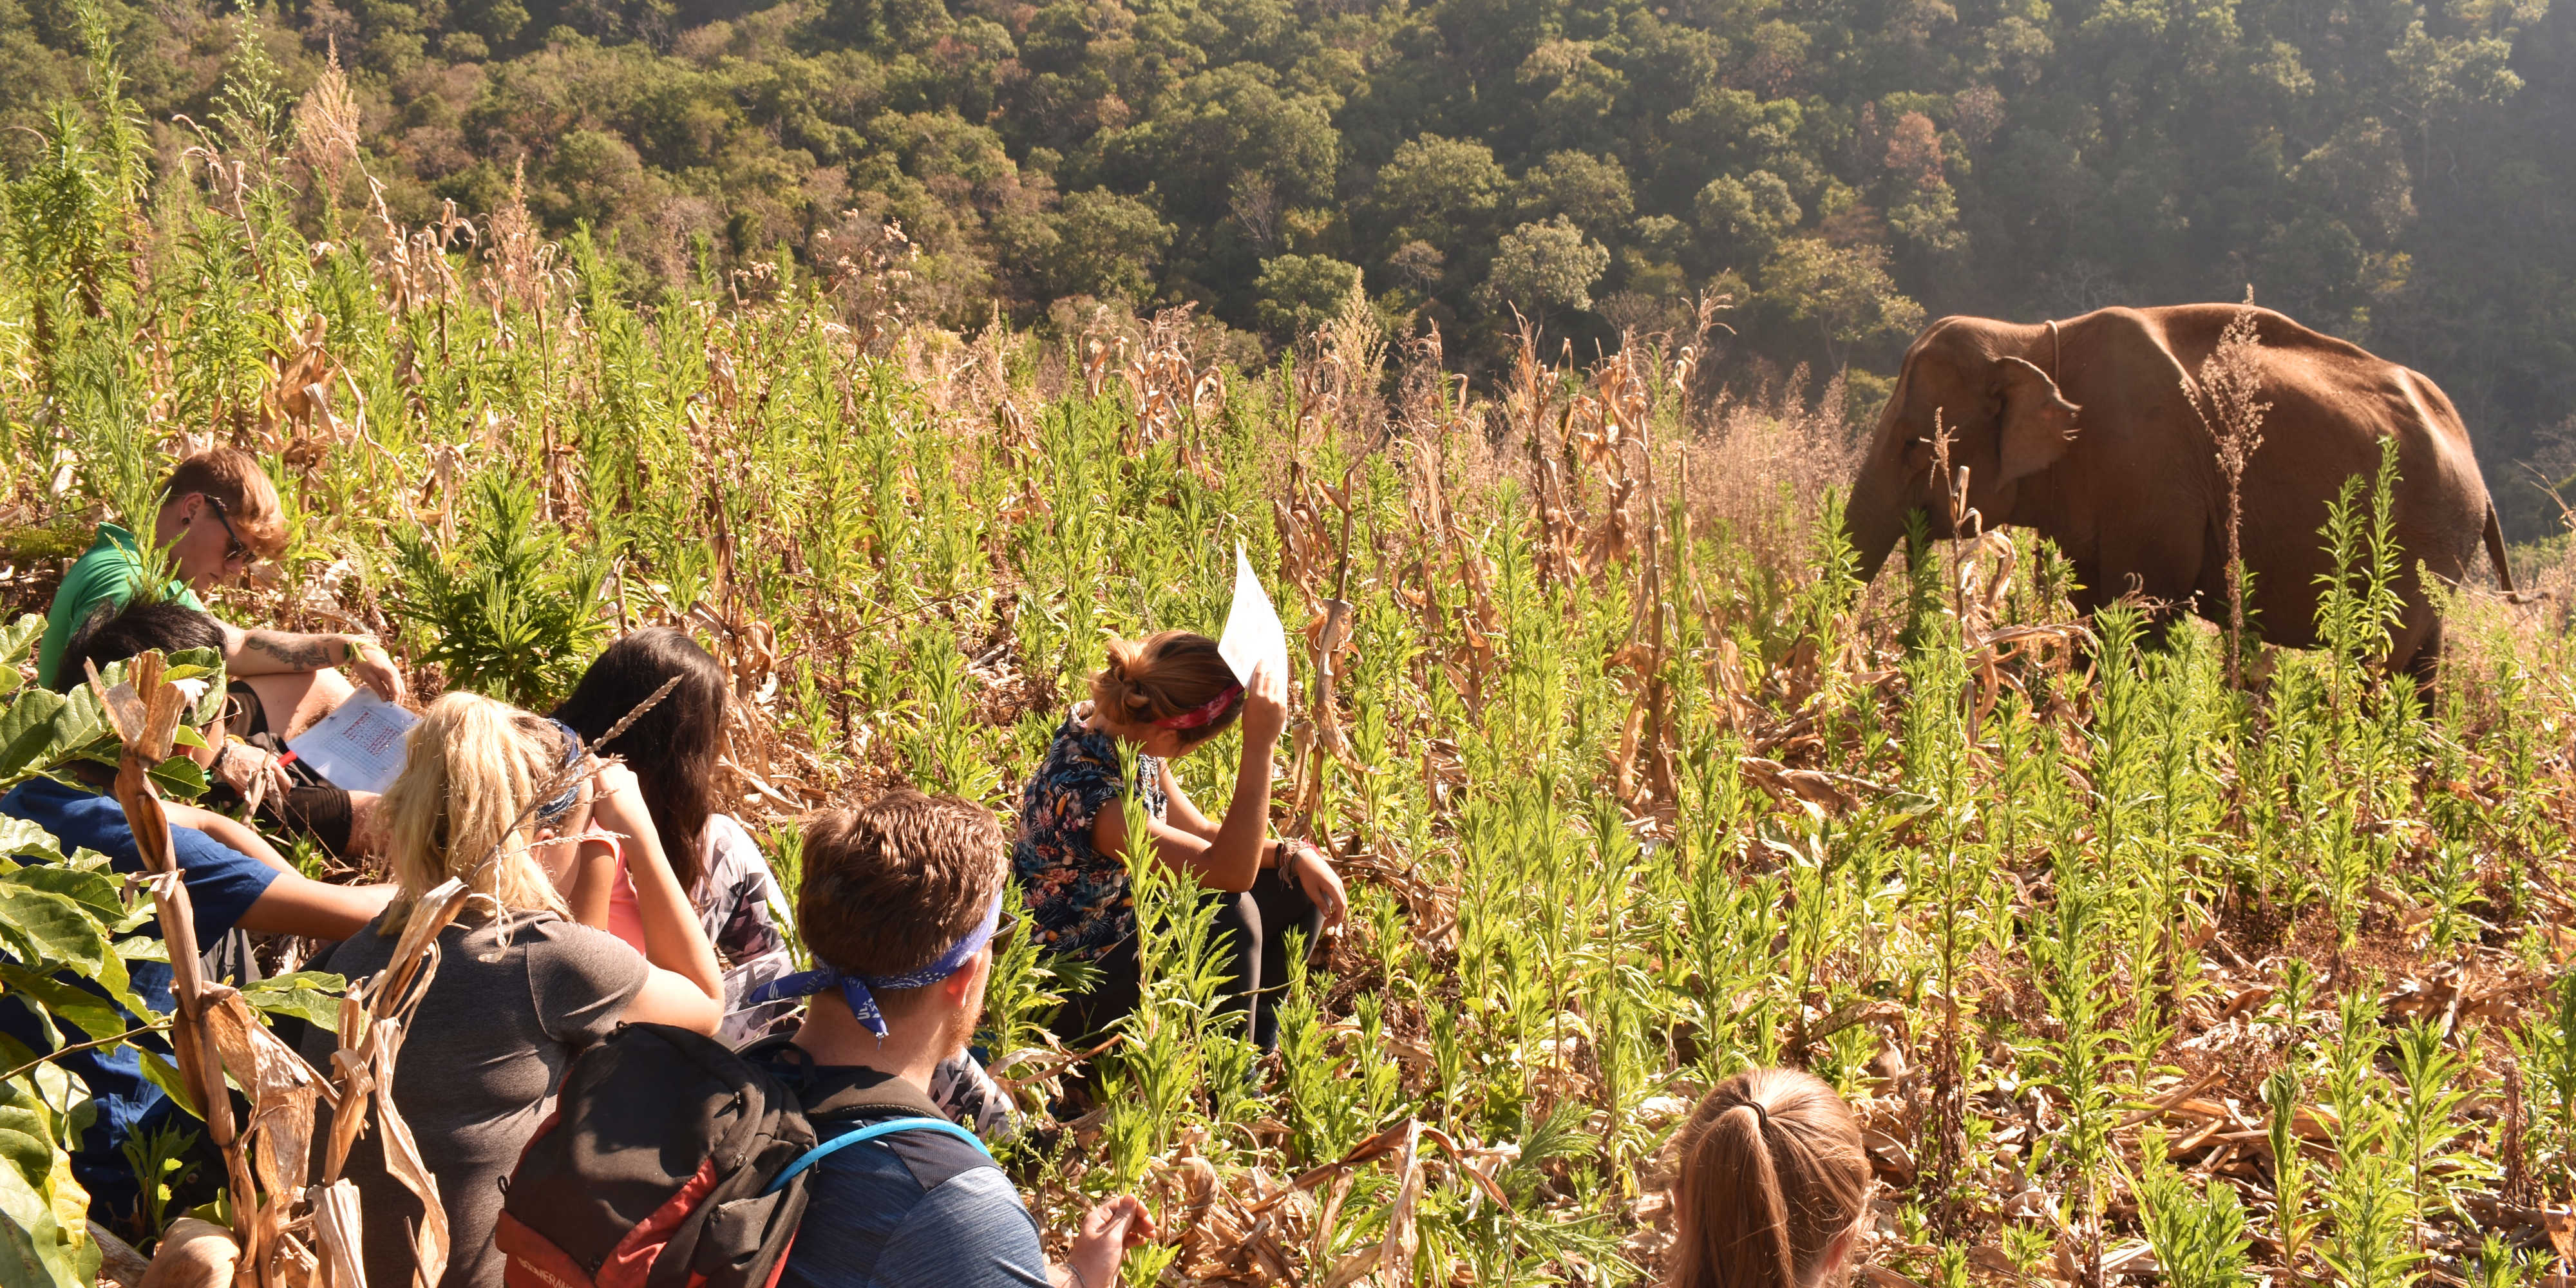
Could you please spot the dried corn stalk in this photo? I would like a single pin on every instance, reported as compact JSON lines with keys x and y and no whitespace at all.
{"x":267,"y":1158}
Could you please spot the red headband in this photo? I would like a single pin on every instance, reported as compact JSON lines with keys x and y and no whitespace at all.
{"x":1204,"y":713}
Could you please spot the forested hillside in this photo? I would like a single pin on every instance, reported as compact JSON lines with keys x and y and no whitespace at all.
{"x":1843,"y":169}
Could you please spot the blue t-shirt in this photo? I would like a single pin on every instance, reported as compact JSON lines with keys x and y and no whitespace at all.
{"x":910,"y":1209}
{"x":222,"y":884}
{"x":870,"y":1223}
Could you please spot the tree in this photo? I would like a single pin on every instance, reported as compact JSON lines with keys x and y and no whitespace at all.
{"x":1592,"y":191}
{"x":1438,"y":191}
{"x":1227,"y":129}
{"x":1106,"y":244}
{"x":1298,"y":293}
{"x":1742,"y":219}
{"x":1546,"y":266}
{"x":1844,"y":292}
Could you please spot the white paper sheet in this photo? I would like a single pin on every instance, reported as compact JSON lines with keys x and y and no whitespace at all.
{"x":1253,"y":634}
{"x":359,"y":746}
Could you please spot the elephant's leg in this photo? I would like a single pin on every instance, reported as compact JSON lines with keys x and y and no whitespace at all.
{"x":2415,"y":647}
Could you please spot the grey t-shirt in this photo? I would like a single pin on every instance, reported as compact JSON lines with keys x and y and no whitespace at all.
{"x":486,"y":1050}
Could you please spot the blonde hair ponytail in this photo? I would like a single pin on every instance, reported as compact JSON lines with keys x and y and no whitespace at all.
{"x":1772,"y":1173}
{"x":472,"y":768}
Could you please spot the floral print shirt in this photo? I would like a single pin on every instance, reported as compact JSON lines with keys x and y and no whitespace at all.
{"x":1077,"y":897}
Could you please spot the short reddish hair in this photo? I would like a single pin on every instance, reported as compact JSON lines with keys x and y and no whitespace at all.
{"x":234,"y":479}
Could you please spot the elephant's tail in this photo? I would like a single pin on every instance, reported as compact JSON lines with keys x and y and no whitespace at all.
{"x":2504,"y":570}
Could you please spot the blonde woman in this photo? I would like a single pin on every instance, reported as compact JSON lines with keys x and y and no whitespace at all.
{"x":515,"y":997}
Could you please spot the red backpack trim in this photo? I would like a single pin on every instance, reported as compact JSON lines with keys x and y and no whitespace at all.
{"x":634,"y":1256}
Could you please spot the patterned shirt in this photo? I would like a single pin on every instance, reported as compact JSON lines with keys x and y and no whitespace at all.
{"x":1079,"y":904}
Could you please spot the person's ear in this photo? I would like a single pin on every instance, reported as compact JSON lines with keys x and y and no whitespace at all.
{"x":960,"y":984}
{"x":1837,"y":1261}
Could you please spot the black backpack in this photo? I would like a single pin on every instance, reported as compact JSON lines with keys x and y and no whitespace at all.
{"x":671,"y":1161}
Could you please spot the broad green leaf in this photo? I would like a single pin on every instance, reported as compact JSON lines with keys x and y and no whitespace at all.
{"x":19,"y":638}
{"x":93,"y":891}
{"x":89,"y":860}
{"x":161,"y":1071}
{"x":92,"y":1014}
{"x":144,"y":948}
{"x":50,"y":928}
{"x":309,"y":995}
{"x":40,"y":729}
{"x":119,"y":984}
{"x":26,"y":1136}
{"x":38,"y":1193}
{"x":20,"y":837}
{"x":181,"y":777}
{"x":44,"y":1242}
{"x":195,"y":664}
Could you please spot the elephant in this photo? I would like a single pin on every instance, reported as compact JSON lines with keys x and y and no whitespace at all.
{"x":2082,"y":430}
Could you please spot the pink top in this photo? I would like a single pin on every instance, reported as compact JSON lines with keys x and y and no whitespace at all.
{"x":624,"y":921}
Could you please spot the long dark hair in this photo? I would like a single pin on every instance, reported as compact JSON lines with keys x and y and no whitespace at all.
{"x":673,"y":749}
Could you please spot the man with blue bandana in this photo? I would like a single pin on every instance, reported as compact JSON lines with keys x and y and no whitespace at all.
{"x":902,"y":906}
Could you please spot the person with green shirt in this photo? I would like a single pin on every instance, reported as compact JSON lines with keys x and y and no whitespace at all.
{"x":219,"y":515}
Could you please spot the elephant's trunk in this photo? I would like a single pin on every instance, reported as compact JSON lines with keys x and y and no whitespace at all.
{"x":1874,"y":514}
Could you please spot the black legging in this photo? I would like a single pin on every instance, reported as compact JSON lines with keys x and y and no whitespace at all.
{"x":1251,"y":929}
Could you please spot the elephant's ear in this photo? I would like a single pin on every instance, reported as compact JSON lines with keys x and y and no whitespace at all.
{"x":2038,"y":422}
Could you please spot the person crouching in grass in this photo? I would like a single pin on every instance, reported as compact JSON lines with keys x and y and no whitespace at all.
{"x":903,"y":907}
{"x":235,"y":882}
{"x":521,"y":988}
{"x":219,"y":515}
{"x":1167,"y":696}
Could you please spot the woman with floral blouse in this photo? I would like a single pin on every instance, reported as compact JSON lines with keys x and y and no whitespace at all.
{"x":1166,"y":696}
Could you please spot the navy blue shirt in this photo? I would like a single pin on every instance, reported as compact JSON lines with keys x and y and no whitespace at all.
{"x":222,"y":884}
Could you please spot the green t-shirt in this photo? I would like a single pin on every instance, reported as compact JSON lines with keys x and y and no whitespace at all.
{"x":106,"y":574}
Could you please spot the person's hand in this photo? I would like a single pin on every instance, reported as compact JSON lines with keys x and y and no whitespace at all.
{"x":1265,"y":706}
{"x":1109,"y":1229}
{"x":1305,"y":869}
{"x":371,"y":666}
{"x":254,"y":773}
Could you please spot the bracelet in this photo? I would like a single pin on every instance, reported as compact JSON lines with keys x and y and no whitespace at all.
{"x":1076,"y":1272}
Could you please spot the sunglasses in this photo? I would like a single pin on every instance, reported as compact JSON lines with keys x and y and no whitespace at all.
{"x":238,"y":551}
{"x":1005,"y":932}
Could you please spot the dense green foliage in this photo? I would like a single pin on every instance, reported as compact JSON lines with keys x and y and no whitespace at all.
{"x":2396,"y":173}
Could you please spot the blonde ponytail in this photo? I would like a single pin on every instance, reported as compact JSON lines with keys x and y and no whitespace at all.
{"x":1771,"y":1174}
{"x":471,"y":770}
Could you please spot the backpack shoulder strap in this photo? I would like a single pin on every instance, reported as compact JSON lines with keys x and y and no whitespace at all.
{"x":871,"y":1132}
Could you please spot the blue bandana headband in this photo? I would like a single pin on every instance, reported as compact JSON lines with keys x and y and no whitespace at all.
{"x":557,"y":810}
{"x":854,"y":988}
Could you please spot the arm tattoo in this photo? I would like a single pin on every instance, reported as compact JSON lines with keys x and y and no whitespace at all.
{"x":302,"y":652}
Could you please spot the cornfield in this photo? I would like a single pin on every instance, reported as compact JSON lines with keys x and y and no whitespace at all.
{"x":2133,"y":973}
